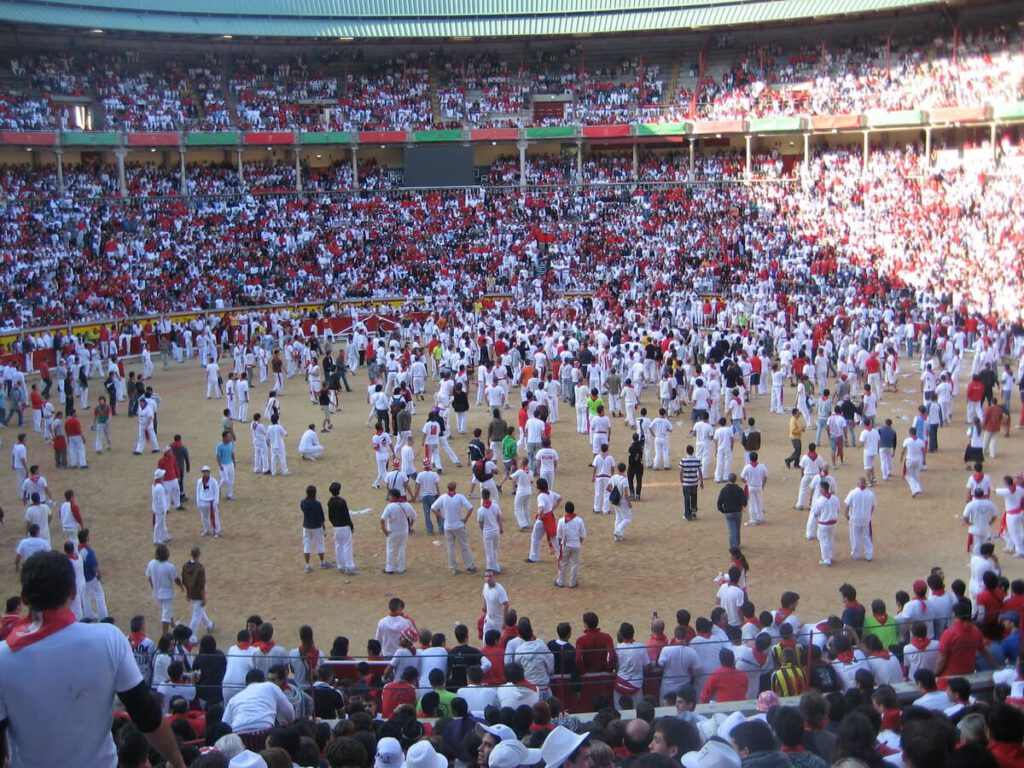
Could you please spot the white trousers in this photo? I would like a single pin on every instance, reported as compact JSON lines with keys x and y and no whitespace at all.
{"x":102,"y":437}
{"x":913,"y":476}
{"x":660,"y":453}
{"x":173,"y":489}
{"x":776,"y":402}
{"x":755,"y":504}
{"x":492,"y":546}
{"x":860,"y":541}
{"x":261,"y":458}
{"x":1015,"y":532}
{"x":806,"y":486}
{"x":227,"y":479}
{"x":522,"y":509}
{"x":885,"y":457}
{"x":723,"y":465}
{"x":536,"y":537}
{"x":146,"y":433}
{"x":94,"y":604}
{"x":601,"y":495}
{"x":704,"y":454}
{"x":343,"y":548}
{"x":277,"y":461}
{"x":209,"y":518}
{"x":199,"y":616}
{"x":160,"y":533}
{"x":569,"y":567}
{"x":395,"y":553}
{"x":826,"y":540}
{"x":312,"y":453}
{"x":458,"y":536}
{"x":76,"y":451}
{"x":581,"y":418}
{"x":623,"y":518}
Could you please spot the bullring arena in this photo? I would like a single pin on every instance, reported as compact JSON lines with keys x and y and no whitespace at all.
{"x":822,"y":195}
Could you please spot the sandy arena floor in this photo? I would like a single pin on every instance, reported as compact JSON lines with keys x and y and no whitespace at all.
{"x":665,"y":563}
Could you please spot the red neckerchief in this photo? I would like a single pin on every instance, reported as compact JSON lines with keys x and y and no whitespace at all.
{"x":921,"y":643}
{"x":72,"y":555}
{"x":570,"y":516}
{"x":135,"y":638}
{"x":760,"y":657}
{"x":881,"y":618}
{"x":978,"y":476}
{"x":451,"y":493}
{"x":39,"y":625}
{"x":812,"y":455}
{"x":781,"y":615}
{"x":264,"y":646}
{"x":938,"y":592}
{"x":846,"y":657}
{"x":826,"y":494}
{"x":852,"y":604}
{"x":486,"y":504}
{"x":752,"y":621}
{"x":882,"y":654}
{"x":753,"y":463}
{"x":524,"y":683}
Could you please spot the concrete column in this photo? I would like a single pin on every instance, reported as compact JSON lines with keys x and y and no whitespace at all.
{"x":120,"y":153}
{"x":807,"y":151}
{"x":355,"y":168}
{"x":521,"y":146}
{"x":298,"y":172}
{"x":928,"y":147}
{"x":692,"y":159}
{"x":746,"y":141}
{"x":60,"y":169}
{"x":241,"y":169}
{"x":182,"y":179}
{"x":636,"y":163}
{"x":867,"y":144}
{"x":579,"y":162}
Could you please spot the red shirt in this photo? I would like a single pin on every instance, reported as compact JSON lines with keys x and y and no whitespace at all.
{"x":72,"y":427}
{"x":975,"y":391}
{"x":1007,"y":754}
{"x":960,"y":644}
{"x":595,"y":652}
{"x":496,"y":655}
{"x":725,"y":684}
{"x":992,"y":419}
{"x":395,"y":695}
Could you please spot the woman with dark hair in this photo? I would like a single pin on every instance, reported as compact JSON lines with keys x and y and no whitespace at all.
{"x":339,"y":648}
{"x":857,"y":739}
{"x":210,"y":664}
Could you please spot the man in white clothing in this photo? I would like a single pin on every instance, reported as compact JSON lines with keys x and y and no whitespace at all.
{"x":490,"y":520}
{"x":276,"y":433}
{"x":603,"y":465}
{"x":496,"y":603}
{"x":260,"y":446}
{"x":258,"y":707}
{"x":571,"y":533}
{"x":912,"y":457}
{"x":811,"y":464}
{"x":869,"y":441}
{"x":160,"y":506}
{"x":396,"y":521}
{"x":860,"y":507}
{"x":1013,"y":497}
{"x":212,"y":380}
{"x":755,"y":477}
{"x":310,"y":448}
{"x":978,"y":515}
{"x":208,"y":501}
{"x":452,"y":510}
{"x":826,"y":515}
{"x":660,"y":428}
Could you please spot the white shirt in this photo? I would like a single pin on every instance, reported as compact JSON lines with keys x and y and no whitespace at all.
{"x":494,"y":600}
{"x":915,"y":449}
{"x":85,"y":663}
{"x":534,"y":430}
{"x":723,"y":438}
{"x":754,"y":476}
{"x":979,"y":514}
{"x":208,"y":493}
{"x":869,"y":441}
{"x":680,"y":665}
{"x":390,"y":630}
{"x":160,"y":503}
{"x":308,"y":441}
{"x":239,"y":662}
{"x":164,"y":576}
{"x":398,"y":516}
{"x":257,"y":708}
{"x":660,"y":428}
{"x":571,"y":533}
{"x":826,"y":509}
{"x":731,"y":598}
{"x":276,"y":434}
{"x":427,"y":482}
{"x":31,"y":545}
{"x":632,"y":658}
{"x":604,"y":465}
{"x":452,"y":505}
{"x":861,"y":502}
{"x":478,"y":698}
{"x":546,"y":458}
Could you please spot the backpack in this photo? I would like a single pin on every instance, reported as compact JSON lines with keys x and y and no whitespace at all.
{"x":615,"y":497}
{"x":479,"y":471}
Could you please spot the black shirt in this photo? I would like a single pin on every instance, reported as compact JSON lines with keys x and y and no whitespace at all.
{"x":312,"y":513}
{"x":337,"y":511}
{"x":461,"y":658}
{"x":731,"y":499}
{"x":211,"y":667}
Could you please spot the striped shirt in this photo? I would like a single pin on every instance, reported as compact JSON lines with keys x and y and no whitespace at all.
{"x":690,"y":467}
{"x":789,"y":680}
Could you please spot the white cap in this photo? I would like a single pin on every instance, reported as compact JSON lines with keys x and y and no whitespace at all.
{"x":559,"y":745}
{"x":511,"y":754}
{"x":206,"y":468}
{"x":422,"y":755}
{"x":389,"y":753}
{"x":247,"y":759}
{"x":157,"y":474}
{"x":714,"y":754}
{"x":500,"y":731}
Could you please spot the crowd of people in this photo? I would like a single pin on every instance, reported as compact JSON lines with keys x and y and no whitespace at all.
{"x":338,"y":91}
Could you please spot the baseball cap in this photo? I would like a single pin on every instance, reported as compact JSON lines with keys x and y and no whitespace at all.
{"x":206,"y":468}
{"x":559,"y":745}
{"x":511,"y":754}
{"x":423,"y":755}
{"x":714,"y":754}
{"x":157,"y":474}
{"x":247,"y":759}
{"x":389,"y":753}
{"x":500,"y":731}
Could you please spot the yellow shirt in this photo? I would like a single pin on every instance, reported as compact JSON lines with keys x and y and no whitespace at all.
{"x":796,"y":427}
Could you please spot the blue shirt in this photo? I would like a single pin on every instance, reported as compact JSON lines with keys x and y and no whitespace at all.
{"x":89,"y":563}
{"x":225,"y":453}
